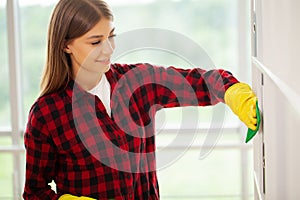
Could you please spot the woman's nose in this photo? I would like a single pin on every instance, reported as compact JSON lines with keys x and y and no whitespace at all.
{"x":108,"y":47}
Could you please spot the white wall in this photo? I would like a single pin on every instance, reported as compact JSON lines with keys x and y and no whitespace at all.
{"x":278,"y":50}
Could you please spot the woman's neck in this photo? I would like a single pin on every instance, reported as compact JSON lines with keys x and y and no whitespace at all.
{"x":87,"y":79}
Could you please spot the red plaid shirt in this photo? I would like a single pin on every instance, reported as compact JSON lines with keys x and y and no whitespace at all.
{"x":71,"y":139}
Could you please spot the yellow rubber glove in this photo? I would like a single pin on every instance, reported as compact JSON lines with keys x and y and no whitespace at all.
{"x":242,"y":101}
{"x":71,"y":197}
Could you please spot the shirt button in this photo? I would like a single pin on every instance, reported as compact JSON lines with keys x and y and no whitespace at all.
{"x":128,"y":176}
{"x":130,"y":195}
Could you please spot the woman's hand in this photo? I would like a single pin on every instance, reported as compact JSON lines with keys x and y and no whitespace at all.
{"x":71,"y":197}
{"x":242,"y":101}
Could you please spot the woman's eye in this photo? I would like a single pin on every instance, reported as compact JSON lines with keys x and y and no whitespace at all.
{"x":98,"y":42}
{"x":95,"y":43}
{"x":112,"y":36}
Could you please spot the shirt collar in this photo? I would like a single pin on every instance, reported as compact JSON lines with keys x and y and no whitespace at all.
{"x":75,"y":92}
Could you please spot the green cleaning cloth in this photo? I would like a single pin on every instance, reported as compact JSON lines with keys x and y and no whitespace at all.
{"x":251,"y":133}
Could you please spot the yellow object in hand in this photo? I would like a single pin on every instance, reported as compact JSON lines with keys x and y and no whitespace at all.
{"x":71,"y":197}
{"x":242,"y":101}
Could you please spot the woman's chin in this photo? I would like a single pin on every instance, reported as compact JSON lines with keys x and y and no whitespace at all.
{"x":107,"y":67}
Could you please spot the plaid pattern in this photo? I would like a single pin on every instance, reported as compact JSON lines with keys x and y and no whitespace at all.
{"x":71,"y":139}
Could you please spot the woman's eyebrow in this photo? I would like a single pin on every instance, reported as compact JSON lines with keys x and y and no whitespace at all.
{"x":112,"y":30}
{"x":100,"y":36}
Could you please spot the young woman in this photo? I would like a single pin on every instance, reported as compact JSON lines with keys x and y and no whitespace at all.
{"x":91,"y":129}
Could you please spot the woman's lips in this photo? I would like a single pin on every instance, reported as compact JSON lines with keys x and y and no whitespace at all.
{"x":104,"y":61}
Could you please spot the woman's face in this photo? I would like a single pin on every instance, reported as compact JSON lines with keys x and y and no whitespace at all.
{"x":91,"y":52}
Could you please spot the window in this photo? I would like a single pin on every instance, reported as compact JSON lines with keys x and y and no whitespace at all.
{"x":4,"y":86}
{"x":33,"y":40}
{"x":6,"y":173}
{"x":212,"y":26}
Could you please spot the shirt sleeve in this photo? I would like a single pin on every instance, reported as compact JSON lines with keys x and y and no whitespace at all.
{"x":175,"y":87}
{"x":191,"y":87}
{"x":40,"y":159}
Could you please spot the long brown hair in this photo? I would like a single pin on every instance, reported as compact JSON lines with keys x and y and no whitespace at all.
{"x":70,"y":19}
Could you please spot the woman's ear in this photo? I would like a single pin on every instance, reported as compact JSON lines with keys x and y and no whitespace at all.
{"x":66,"y":47}
{"x":67,"y":50}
